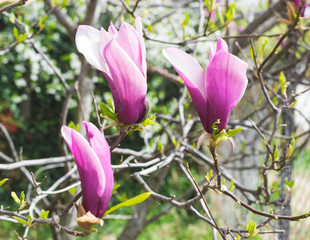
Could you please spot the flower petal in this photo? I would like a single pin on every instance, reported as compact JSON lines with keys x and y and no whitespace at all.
{"x":221,"y":45}
{"x":139,"y":28}
{"x":87,"y":41}
{"x":226,"y":83}
{"x":112,"y":29}
{"x":128,"y":39}
{"x":129,"y":82}
{"x":100,"y":146}
{"x":193,"y":76}
{"x":90,"y":170}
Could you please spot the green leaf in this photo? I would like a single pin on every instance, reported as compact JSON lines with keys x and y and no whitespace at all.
{"x":72,"y":191}
{"x":44,"y":214}
{"x":15,"y":32}
{"x":130,"y":202}
{"x":251,"y":227}
{"x":22,"y":196}
{"x":230,"y":14}
{"x":3,"y":181}
{"x":12,"y":18}
{"x":252,"y":53}
{"x":261,"y":50}
{"x":73,"y":126}
{"x":160,"y":147}
{"x":233,"y":132}
{"x":23,"y":37}
{"x":290,"y":184}
{"x":175,"y":142}
{"x":186,"y":20}
{"x":209,"y":176}
{"x":115,"y":187}
{"x":149,"y":121}
{"x":107,"y":112}
{"x":291,"y":148}
{"x":20,"y":220}
{"x":223,"y":182}
{"x":232,"y":185}
{"x":283,"y":83}
{"x":16,"y":199}
{"x":41,"y":22}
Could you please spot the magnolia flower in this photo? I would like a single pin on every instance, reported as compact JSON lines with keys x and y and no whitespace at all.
{"x":216,"y":91}
{"x":121,"y":56}
{"x":93,"y":160}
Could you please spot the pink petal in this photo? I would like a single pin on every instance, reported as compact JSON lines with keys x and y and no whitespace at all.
{"x":188,"y":68}
{"x":100,"y":146}
{"x":90,"y":170}
{"x":128,"y":39}
{"x":87,"y":41}
{"x":221,"y":45}
{"x":226,"y":83}
{"x":139,"y":28}
{"x":129,"y":82}
{"x":193,"y":76}
{"x":112,"y":29}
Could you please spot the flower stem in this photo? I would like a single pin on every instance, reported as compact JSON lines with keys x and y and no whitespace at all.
{"x":216,"y":163}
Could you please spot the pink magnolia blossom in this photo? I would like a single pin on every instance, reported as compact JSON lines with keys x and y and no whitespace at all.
{"x":93,"y":160}
{"x":216,"y":91}
{"x":121,"y":56}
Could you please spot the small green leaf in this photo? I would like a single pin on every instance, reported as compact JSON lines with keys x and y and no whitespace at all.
{"x":223,"y":182}
{"x":238,"y":237}
{"x":291,"y":148}
{"x":130,"y":202}
{"x":3,"y":181}
{"x":72,"y":191}
{"x":12,"y":18}
{"x":160,"y":147}
{"x":175,"y":142}
{"x":16,"y":199}
{"x":209,"y":176}
{"x":107,"y":112}
{"x":186,"y":20}
{"x":251,"y":227}
{"x":44,"y":214}
{"x":283,"y":83}
{"x":73,"y":126}
{"x":22,"y":196}
{"x":290,"y":184}
{"x":233,"y":132}
{"x":41,"y":22}
{"x":15,"y":32}
{"x":148,"y":122}
{"x":115,"y":187}
{"x":20,"y":220}
{"x":230,"y":14}
{"x":232,"y":185}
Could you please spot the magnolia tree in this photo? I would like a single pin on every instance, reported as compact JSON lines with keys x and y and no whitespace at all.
{"x":145,"y":123}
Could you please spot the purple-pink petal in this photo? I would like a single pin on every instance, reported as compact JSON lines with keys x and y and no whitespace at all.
{"x":102,"y":150}
{"x":128,"y":39}
{"x":90,"y":170}
{"x":193,"y":76}
{"x":129,"y":82}
{"x":226,"y":83}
